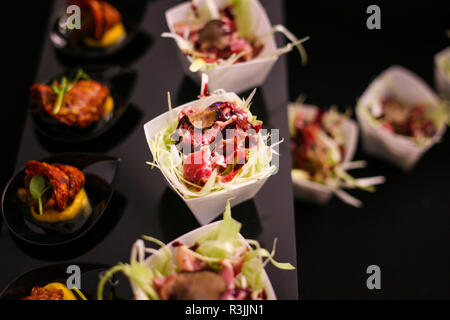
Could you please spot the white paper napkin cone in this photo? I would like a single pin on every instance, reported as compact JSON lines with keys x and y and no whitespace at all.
{"x":309,"y":190}
{"x":441,"y":77}
{"x":381,"y":143}
{"x":190,"y":239}
{"x":237,"y":77}
{"x":208,"y":207}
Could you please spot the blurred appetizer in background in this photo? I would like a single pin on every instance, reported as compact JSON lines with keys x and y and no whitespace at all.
{"x":212,"y":146}
{"x":54,"y":192}
{"x":213,"y":262}
{"x":223,"y":34}
{"x":101,"y":23}
{"x":323,"y":143}
{"x":54,"y":291}
{"x":400,"y":117}
{"x":76,"y":102}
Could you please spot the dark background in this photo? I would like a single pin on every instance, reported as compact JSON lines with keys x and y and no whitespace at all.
{"x":403,"y":227}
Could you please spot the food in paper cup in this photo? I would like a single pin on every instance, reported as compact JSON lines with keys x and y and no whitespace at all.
{"x":213,"y":262}
{"x":221,"y":35}
{"x":211,"y":150}
{"x":442,"y":72}
{"x":323,"y":143}
{"x":400,"y":117}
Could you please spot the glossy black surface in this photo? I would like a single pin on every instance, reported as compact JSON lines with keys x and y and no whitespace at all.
{"x":142,"y":203}
{"x":69,"y":44}
{"x":120,"y":83}
{"x":22,"y":285}
{"x":99,"y":172}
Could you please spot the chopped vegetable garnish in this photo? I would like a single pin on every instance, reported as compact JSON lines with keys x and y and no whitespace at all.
{"x":219,"y":264}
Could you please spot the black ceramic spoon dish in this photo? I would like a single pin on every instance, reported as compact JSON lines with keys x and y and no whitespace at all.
{"x":71,"y":45}
{"x":100,"y":172}
{"x":120,"y":83}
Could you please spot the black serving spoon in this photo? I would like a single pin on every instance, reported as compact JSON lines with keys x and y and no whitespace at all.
{"x":120,"y":83}
{"x":70,"y":44}
{"x":89,"y":277}
{"x":100,"y":172}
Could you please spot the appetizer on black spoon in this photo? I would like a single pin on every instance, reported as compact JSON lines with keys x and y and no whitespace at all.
{"x":81,"y":104}
{"x":104,"y":29}
{"x":58,"y":199}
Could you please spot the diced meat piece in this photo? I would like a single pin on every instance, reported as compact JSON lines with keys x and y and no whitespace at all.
{"x":76,"y":179}
{"x":197,"y":166}
{"x":227,"y":273}
{"x":201,"y":285}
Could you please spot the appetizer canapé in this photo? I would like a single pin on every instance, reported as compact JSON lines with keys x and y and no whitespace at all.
{"x":77,"y":102}
{"x":211,"y":263}
{"x":404,"y":119}
{"x":319,"y":145}
{"x":212,"y":145}
{"x":101,"y":23}
{"x":52,"y":291}
{"x":54,"y":192}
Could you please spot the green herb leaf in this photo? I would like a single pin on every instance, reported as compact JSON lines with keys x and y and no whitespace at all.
{"x":81,"y":75}
{"x":61,"y":92}
{"x":37,"y":185}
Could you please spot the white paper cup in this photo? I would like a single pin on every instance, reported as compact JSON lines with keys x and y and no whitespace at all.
{"x":309,"y":190}
{"x":208,"y":207}
{"x":238,"y":77}
{"x":189,"y":239}
{"x":397,"y":149}
{"x":442,"y":78}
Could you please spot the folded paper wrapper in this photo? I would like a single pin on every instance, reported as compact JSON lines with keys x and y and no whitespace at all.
{"x":241,"y":76}
{"x":407,"y":87}
{"x":190,"y":239}
{"x":208,"y":207}
{"x":441,"y":77}
{"x":309,"y":190}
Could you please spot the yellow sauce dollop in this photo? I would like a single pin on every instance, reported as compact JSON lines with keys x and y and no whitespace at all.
{"x":109,"y":106}
{"x":78,"y":205}
{"x":54,"y":286}
{"x":110,"y":37}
